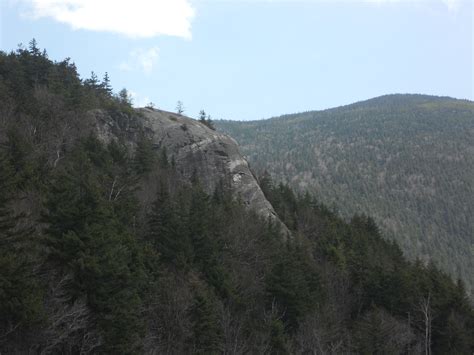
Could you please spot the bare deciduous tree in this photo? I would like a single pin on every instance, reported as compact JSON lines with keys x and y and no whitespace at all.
{"x":424,"y":308}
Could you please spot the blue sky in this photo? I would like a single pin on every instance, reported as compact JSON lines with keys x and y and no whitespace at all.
{"x":255,"y":59}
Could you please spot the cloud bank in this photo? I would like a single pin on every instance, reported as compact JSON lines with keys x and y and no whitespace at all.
{"x":137,"y":18}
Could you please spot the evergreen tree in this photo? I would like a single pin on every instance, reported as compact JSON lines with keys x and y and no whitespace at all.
{"x":210,"y":123}
{"x":19,"y":154}
{"x":105,"y":84}
{"x":33,"y":48}
{"x":20,"y":297}
{"x":207,"y":332}
{"x":293,"y":285}
{"x":278,"y":339}
{"x":92,"y":82}
{"x":202,"y":116}
{"x":144,"y":155}
{"x":206,"y":119}
{"x":164,"y":230}
{"x":124,"y":97}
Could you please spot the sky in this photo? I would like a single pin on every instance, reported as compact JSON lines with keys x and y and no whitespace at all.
{"x":254,"y":59}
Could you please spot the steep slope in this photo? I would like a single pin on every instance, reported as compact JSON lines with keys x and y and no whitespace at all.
{"x":408,"y":160}
{"x":196,"y":150}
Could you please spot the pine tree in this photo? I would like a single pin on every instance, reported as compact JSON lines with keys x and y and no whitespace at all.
{"x":19,"y":156}
{"x":33,"y":48}
{"x":202,"y":116}
{"x":199,"y":225}
{"x":278,"y":339}
{"x":206,"y":120}
{"x":20,"y":297}
{"x":124,"y":97}
{"x":207,"y":332}
{"x":92,"y":82}
{"x":144,"y":155}
{"x":294,"y":285}
{"x":105,"y":85}
{"x":210,"y":123}
{"x":164,"y":230}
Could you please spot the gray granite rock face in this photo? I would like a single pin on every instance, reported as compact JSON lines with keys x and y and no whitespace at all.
{"x":196,"y":149}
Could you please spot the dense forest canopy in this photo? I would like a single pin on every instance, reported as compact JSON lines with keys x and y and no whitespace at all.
{"x":407,"y":160}
{"x":86,"y":266}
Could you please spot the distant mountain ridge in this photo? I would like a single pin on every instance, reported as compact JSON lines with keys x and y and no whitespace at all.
{"x":406,"y":159}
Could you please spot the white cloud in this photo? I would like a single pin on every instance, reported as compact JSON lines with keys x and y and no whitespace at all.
{"x":141,"y":59}
{"x":137,"y":18}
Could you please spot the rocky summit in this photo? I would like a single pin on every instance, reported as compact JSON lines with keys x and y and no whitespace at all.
{"x":195,"y":149}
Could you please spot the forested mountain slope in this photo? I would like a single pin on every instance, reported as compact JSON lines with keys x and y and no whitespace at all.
{"x":138,"y":231}
{"x":407,"y":160}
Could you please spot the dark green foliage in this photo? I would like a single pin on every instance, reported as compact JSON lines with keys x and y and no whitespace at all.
{"x":124,"y":97}
{"x":165,"y":230}
{"x":199,"y":224}
{"x":105,"y":85}
{"x":202,"y":116}
{"x":207,"y":331}
{"x":92,"y":82}
{"x":18,"y":152}
{"x":27,"y":74}
{"x":278,"y":339}
{"x":293,"y":285}
{"x":403,"y":159}
{"x":145,"y":157}
{"x":206,"y":120}
{"x":20,"y":295}
{"x":380,"y":277}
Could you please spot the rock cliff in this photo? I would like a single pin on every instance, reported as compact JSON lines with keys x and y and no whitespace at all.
{"x":195,"y":149}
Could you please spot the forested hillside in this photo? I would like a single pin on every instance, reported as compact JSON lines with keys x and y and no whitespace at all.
{"x":407,"y":160}
{"x":89,"y":266}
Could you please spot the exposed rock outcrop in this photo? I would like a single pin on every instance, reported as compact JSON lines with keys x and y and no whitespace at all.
{"x":196,"y":149}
